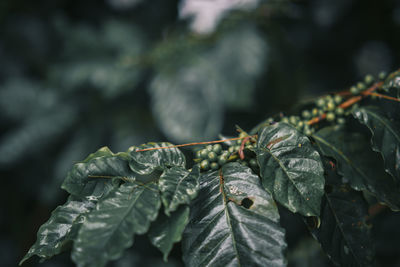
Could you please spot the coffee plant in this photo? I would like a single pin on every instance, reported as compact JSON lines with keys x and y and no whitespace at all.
{"x":334,"y":161}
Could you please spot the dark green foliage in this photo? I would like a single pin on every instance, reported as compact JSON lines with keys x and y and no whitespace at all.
{"x":385,"y":137}
{"x":79,"y":75}
{"x":364,"y":172}
{"x":343,"y":233}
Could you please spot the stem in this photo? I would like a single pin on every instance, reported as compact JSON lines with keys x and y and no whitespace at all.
{"x":194,"y":144}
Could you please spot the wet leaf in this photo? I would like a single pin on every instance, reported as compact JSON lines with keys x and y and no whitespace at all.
{"x":234,"y":222}
{"x":291,"y":169}
{"x":178,"y":186}
{"x":358,"y":164}
{"x":92,"y":177}
{"x":344,"y":234}
{"x":385,"y":137}
{"x":145,"y":162}
{"x":109,"y":229}
{"x":60,"y":229}
{"x":166,"y":231}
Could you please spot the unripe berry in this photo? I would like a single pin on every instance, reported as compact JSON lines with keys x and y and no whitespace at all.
{"x":354,"y":90}
{"x":320,"y":103}
{"x":382,"y":75}
{"x":217,"y":148}
{"x":339,"y":111}
{"x":369,"y":79}
{"x":222,"y":160}
{"x":306,"y":114}
{"x":209,"y":147}
{"x":338,"y":99}
{"x":341,"y":121}
{"x":330,"y":116}
{"x":361,"y":86}
{"x":330,"y":106}
{"x":214,"y":166}
{"x":253,"y":163}
{"x":315,"y":112}
{"x":204,"y":153}
{"x":212,"y":156}
{"x":204,"y":165}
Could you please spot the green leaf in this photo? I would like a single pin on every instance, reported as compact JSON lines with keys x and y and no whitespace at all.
{"x":234,"y":222}
{"x":109,"y":229}
{"x":91,"y":178}
{"x":358,"y":164}
{"x":60,"y":229}
{"x":166,"y":231}
{"x":291,"y":169}
{"x":385,"y":137}
{"x":343,"y":233}
{"x":145,"y":162}
{"x":178,"y":186}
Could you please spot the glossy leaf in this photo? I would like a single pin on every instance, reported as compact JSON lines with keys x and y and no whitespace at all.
{"x":60,"y":229}
{"x":145,"y":162}
{"x":343,"y":233}
{"x":178,"y":186}
{"x":109,"y":229}
{"x":233,"y":222}
{"x":166,"y":231}
{"x":291,"y":169}
{"x":392,"y":82}
{"x":358,"y":164}
{"x":91,"y":178}
{"x":385,"y":137}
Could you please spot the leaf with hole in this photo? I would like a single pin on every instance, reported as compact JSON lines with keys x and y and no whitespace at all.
{"x":233,"y":221}
{"x":291,"y":169}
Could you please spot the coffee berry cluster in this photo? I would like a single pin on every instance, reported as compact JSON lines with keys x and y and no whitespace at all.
{"x":213,"y":157}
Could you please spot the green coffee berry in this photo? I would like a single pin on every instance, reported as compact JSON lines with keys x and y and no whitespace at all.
{"x":198,"y":154}
{"x":338,"y":99}
{"x":308,"y":132}
{"x":231,"y":149}
{"x":212,"y":156}
{"x":306,"y":114}
{"x":382,"y":75}
{"x":285,"y":120}
{"x":354,"y":90}
{"x":315,"y":112}
{"x":330,"y":106}
{"x":341,"y":121}
{"x":237,"y":148}
{"x":300,"y":124}
{"x":339,"y":111}
{"x":204,"y":165}
{"x":209,"y":147}
{"x":204,"y":153}
{"x":253,"y":163}
{"x":320,"y":103}
{"x":293,"y":120}
{"x":217,"y":148}
{"x":222,"y":159}
{"x":361,"y":86}
{"x":330,"y":116}
{"x":214,"y":166}
{"x":369,"y":79}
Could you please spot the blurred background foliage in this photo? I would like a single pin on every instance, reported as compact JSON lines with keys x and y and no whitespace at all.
{"x":78,"y":75}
